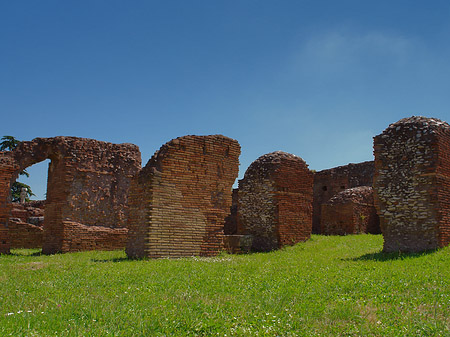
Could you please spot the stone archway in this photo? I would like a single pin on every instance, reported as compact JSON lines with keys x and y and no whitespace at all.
{"x":87,"y":189}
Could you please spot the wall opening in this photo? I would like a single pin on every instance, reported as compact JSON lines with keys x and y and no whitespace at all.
{"x":26,"y":222}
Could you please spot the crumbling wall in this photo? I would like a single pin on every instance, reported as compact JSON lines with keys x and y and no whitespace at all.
{"x":351,"y":211}
{"x":88,"y":182}
{"x":275,"y":201}
{"x":179,"y":201}
{"x":327,"y":183}
{"x":412,"y":184}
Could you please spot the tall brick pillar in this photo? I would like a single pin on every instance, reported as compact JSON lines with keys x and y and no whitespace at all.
{"x":412,"y":184}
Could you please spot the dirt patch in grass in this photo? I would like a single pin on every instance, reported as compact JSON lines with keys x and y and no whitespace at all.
{"x":32,"y":265}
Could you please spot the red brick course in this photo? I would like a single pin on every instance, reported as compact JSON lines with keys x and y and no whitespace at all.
{"x":275,"y":201}
{"x":179,"y":201}
{"x":412,"y":184}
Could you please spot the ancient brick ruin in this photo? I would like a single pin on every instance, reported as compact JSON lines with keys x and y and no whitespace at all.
{"x":87,"y":191}
{"x":327,"y":183}
{"x":412,"y":184}
{"x":179,"y":201}
{"x":351,"y":211}
{"x":275,"y":201}
{"x":26,"y":224}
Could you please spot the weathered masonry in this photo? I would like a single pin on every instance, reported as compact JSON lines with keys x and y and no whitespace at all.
{"x":351,"y":211}
{"x":412,"y":184}
{"x":25,"y":226}
{"x":87,"y":189}
{"x":275,"y":201}
{"x":327,"y":183}
{"x":179,"y":201}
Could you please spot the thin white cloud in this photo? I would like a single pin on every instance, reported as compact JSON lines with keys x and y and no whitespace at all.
{"x":335,"y":53}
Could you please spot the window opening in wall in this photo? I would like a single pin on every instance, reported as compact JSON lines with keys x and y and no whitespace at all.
{"x":324,"y":188}
{"x":342,"y":187}
{"x":28,"y":196}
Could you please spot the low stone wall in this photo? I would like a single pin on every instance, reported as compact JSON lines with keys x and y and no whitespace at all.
{"x":351,"y":211}
{"x":25,"y":235}
{"x":275,"y":201}
{"x":179,"y":201}
{"x":79,"y":237}
{"x":412,"y":184}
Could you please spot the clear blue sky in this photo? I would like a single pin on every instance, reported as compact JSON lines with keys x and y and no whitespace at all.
{"x":314,"y":78}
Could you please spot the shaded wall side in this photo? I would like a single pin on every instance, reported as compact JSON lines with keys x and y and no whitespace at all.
{"x":257,"y":212}
{"x":56,"y":208}
{"x":139,"y":212}
{"x":443,"y":183}
{"x":405,"y":190}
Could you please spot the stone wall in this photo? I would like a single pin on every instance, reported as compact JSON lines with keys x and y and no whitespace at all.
{"x":88,"y":182}
{"x":351,"y":211}
{"x":275,"y":201}
{"x":327,"y":183}
{"x":179,"y":201}
{"x":412,"y":184}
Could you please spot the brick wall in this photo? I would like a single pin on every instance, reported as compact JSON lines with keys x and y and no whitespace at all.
{"x":88,"y":182}
{"x":351,"y":211}
{"x":179,"y":201}
{"x":275,"y":201}
{"x":25,"y":224}
{"x":25,"y":235}
{"x":412,"y":184}
{"x":327,"y":183}
{"x":8,"y":168}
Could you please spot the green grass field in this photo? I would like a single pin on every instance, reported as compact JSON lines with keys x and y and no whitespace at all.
{"x":328,"y":286}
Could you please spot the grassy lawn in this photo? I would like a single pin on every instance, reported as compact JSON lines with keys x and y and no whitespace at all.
{"x":328,"y":286}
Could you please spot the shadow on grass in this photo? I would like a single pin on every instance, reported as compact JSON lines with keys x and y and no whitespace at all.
{"x":380,"y":256}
